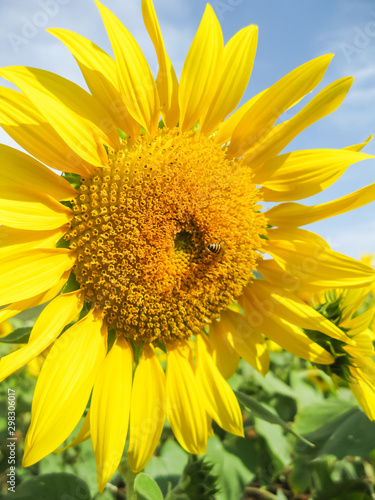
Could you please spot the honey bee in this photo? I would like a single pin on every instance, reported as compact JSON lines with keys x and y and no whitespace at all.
{"x":214,"y":248}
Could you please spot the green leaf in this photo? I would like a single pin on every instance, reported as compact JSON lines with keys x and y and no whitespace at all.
{"x":146,"y":488}
{"x":276,"y":441}
{"x":18,"y":336}
{"x":232,"y":474}
{"x":266,"y":414}
{"x":311,"y":417}
{"x":56,"y":486}
{"x":349,"y":434}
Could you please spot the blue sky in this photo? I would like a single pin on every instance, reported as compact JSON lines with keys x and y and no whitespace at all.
{"x":290,"y":33}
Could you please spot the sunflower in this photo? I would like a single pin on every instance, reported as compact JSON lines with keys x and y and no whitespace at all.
{"x":155,"y":229}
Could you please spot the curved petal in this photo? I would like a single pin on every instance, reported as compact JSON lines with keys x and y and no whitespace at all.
{"x":324,"y":103}
{"x":301,"y":254}
{"x":148,"y":409}
{"x":201,"y":70}
{"x":166,"y":81}
{"x":50,"y":323}
{"x":15,"y":240}
{"x":261,"y":117}
{"x":71,"y":111}
{"x":99,"y":71}
{"x":238,"y":60}
{"x":26,"y":208}
{"x":17,"y":307}
{"x":83,"y":435}
{"x":224,"y":355}
{"x":221,"y":403}
{"x":311,"y":170}
{"x":21,"y":169}
{"x":110,"y":406}
{"x":135,"y":79}
{"x":185,"y":404}
{"x":63,"y":387}
{"x":30,"y":129}
{"x":31,"y":272}
{"x":247,"y":341}
{"x":295,"y":214}
{"x":274,"y":303}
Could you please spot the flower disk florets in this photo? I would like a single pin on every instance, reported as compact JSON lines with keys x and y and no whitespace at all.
{"x":143,"y":228}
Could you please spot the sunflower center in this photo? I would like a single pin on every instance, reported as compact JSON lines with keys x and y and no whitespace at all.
{"x":167,"y":235}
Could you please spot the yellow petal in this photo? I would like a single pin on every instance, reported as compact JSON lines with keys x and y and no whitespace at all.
{"x":247,"y":341}
{"x":363,"y":386}
{"x":135,"y":79}
{"x":15,"y":240}
{"x":201,"y":70}
{"x":72,"y":112}
{"x":261,"y":117}
{"x":31,"y":130}
{"x":166,"y":80}
{"x":221,"y":403}
{"x":224,"y":355}
{"x":22,"y":170}
{"x":185,"y":404}
{"x":148,"y":409}
{"x":110,"y":406}
{"x":360,"y":146}
{"x":31,"y":272}
{"x":99,"y":71}
{"x":50,"y":323}
{"x":326,"y":101}
{"x":363,"y":347}
{"x":225,"y":131}
{"x":302,"y":254}
{"x":83,"y":435}
{"x":26,"y":208}
{"x":271,"y":302}
{"x":238,"y":60}
{"x":64,"y":386}
{"x":17,"y":307}
{"x":300,"y":174}
{"x":295,"y":214}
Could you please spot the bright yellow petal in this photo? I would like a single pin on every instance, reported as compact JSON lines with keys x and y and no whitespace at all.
{"x":225,"y":131}
{"x":247,"y":341}
{"x":83,"y":435}
{"x":32,"y":272}
{"x":363,"y":385}
{"x":22,"y":170}
{"x":224,"y":355}
{"x":238,"y":60}
{"x":364,"y":347}
{"x":15,"y":240}
{"x":110,"y":406}
{"x":148,"y":409}
{"x":99,"y":71}
{"x":301,"y":254}
{"x":26,"y":208}
{"x":17,"y":307}
{"x":201,"y":70}
{"x":261,"y":117}
{"x":135,"y":79}
{"x":166,"y":80}
{"x":295,"y":214}
{"x":271,"y":302}
{"x":185,"y":404}
{"x":75,"y":114}
{"x":64,"y":386}
{"x":326,"y":101}
{"x":221,"y":403}
{"x":31,"y":130}
{"x":300,"y":174}
{"x":50,"y":323}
